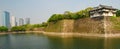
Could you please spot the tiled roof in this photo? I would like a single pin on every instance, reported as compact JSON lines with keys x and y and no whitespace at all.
{"x":104,"y":6}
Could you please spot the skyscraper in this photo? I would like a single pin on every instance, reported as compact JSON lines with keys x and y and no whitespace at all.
{"x":13,"y":21}
{"x":16,"y":23}
{"x":21,"y":21}
{"x":6,"y":19}
{"x":1,"y":13}
{"x":27,"y":20}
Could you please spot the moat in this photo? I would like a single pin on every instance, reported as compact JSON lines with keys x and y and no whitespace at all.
{"x":40,"y":41}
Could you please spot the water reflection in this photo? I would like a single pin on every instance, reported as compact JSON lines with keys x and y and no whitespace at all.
{"x":89,"y":43}
{"x":5,"y":42}
{"x":112,"y":43}
{"x":76,"y":43}
{"x":36,"y":41}
{"x":22,"y":41}
{"x":68,"y":43}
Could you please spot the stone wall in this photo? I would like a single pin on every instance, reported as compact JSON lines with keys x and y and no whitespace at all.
{"x":61,"y":26}
{"x":99,"y":25}
{"x":88,"y":25}
{"x":112,"y":25}
{"x":68,"y":25}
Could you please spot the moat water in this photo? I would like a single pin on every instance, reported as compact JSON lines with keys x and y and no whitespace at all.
{"x":38,"y":41}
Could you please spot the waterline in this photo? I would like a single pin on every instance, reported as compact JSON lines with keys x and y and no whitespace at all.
{"x":82,"y":35}
{"x":68,"y":34}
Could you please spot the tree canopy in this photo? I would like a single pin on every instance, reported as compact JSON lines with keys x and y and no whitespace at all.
{"x":3,"y":29}
{"x":69,"y":15}
{"x":28,"y":27}
{"x":118,"y":13}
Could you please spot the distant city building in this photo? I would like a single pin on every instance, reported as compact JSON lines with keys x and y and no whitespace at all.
{"x":16,"y":23}
{"x":13,"y":21}
{"x":27,"y":20}
{"x":1,"y":13}
{"x":103,"y":10}
{"x":21,"y":21}
{"x":5,"y":19}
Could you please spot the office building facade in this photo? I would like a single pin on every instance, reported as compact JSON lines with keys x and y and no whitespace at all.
{"x":13,"y":21}
{"x":27,"y":20}
{"x":21,"y":21}
{"x":6,"y":19}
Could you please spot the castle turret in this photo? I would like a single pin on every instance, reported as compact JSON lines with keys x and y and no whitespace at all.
{"x":103,"y":10}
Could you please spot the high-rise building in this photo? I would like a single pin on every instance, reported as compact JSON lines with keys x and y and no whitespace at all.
{"x":1,"y":13}
{"x":21,"y":21}
{"x":6,"y":19}
{"x":13,"y":21}
{"x":27,"y":20}
{"x":16,"y":23}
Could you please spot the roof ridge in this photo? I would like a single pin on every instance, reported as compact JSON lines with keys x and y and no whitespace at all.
{"x":105,"y":6}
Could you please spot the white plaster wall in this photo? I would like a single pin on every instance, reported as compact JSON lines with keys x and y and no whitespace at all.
{"x":105,"y":14}
{"x":110,"y":14}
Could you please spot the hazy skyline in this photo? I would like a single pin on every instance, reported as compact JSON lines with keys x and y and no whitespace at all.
{"x":40,"y":10}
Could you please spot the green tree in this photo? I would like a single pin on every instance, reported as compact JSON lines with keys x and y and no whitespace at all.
{"x":118,"y":13}
{"x":70,"y":15}
{"x":53,"y":18}
{"x":44,"y":24}
{"x":60,"y":16}
{"x":84,"y":13}
{"x":87,"y":11}
{"x":28,"y":27}
{"x":18,"y":28}
{"x":80,"y":14}
{"x":36,"y":25}
{"x":3,"y":29}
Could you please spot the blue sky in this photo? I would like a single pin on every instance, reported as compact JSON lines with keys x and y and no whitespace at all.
{"x":40,"y":10}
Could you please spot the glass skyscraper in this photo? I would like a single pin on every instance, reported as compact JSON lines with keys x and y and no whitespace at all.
{"x":5,"y":19}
